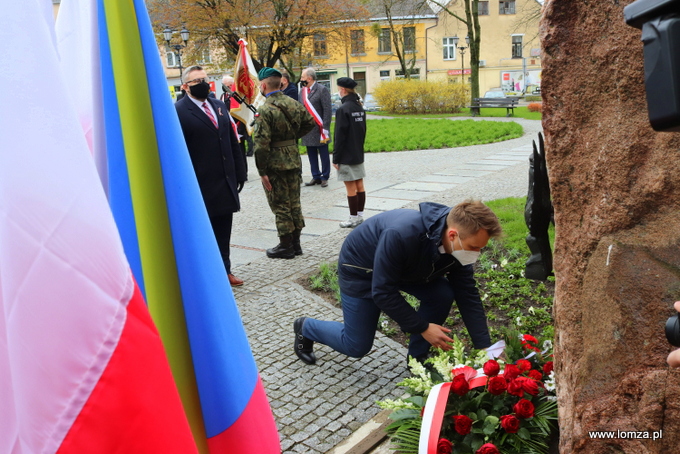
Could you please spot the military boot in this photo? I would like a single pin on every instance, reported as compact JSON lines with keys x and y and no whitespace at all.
{"x":296,"y":242}
{"x":284,"y":250}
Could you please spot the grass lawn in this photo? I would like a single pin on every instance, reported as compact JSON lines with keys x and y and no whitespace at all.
{"x":401,"y":134}
{"x":520,"y":112}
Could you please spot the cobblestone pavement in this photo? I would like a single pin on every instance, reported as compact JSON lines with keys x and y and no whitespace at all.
{"x":317,"y":407}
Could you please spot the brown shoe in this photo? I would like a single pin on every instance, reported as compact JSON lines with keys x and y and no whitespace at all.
{"x":234,"y":281}
{"x":313,"y":182}
{"x":324,"y":183}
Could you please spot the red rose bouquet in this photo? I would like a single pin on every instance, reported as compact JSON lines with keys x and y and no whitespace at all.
{"x":466,"y":403}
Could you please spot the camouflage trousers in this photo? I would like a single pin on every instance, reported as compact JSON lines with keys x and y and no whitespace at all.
{"x":284,"y":200}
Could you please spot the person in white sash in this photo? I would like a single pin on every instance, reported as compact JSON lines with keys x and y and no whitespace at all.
{"x":317,"y":100}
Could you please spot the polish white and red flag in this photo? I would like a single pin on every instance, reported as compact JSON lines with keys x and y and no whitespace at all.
{"x":82,"y":367}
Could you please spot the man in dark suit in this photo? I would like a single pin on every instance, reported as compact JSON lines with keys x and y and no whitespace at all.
{"x":317,"y":100}
{"x":289,"y":88}
{"x":215,"y":154}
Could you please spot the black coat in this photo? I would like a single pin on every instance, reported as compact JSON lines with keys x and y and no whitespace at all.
{"x":350,"y":132}
{"x":215,"y":154}
{"x":402,"y":247}
{"x":292,"y":91}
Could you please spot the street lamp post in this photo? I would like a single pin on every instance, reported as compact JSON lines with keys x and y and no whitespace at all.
{"x":184,"y":33}
{"x":462,"y":55}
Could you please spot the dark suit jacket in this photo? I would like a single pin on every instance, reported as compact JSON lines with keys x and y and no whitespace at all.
{"x":215,"y":153}
{"x":320,"y":98}
{"x":292,"y":91}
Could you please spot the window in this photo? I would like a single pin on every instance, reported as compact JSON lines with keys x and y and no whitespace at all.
{"x":357,"y":38}
{"x":449,"y":49}
{"x":409,"y":39}
{"x":483,"y":8}
{"x":320,"y":45}
{"x":384,"y":41}
{"x":170,"y":58}
{"x":517,"y":46}
{"x":507,"y":7}
{"x":204,"y":57}
{"x":385,"y":75}
{"x":324,"y":79}
{"x":415,"y":73}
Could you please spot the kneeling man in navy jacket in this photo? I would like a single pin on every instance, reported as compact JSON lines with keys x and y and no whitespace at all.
{"x":428,"y":254}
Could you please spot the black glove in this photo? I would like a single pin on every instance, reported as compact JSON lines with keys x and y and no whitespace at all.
{"x":239,"y":186}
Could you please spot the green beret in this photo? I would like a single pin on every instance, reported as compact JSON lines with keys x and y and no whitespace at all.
{"x":268,"y":72}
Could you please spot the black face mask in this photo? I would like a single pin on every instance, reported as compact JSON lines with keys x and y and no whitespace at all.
{"x":200,"y":91}
{"x":303,"y":83}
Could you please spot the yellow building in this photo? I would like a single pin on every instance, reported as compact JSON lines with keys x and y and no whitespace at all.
{"x":509,"y":55}
{"x":366,"y":51}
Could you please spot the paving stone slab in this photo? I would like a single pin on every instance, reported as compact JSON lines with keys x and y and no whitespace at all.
{"x":464,"y":172}
{"x":242,"y":256}
{"x":439,"y":178}
{"x":497,"y":161}
{"x":401,"y":194}
{"x":481,"y":166}
{"x":337,"y":213}
{"x":511,"y":157}
{"x":432,"y":187}
{"x":379,"y":204}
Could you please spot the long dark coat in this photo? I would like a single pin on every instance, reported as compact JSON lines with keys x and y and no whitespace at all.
{"x":215,"y":154}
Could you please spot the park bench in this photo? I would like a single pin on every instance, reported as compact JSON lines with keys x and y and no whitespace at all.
{"x":504,"y":103}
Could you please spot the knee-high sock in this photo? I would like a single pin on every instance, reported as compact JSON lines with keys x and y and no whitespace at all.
{"x":352,"y":201}
{"x":361,"y":201}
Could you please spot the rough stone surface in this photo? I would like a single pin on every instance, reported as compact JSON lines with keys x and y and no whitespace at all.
{"x":616,"y":197}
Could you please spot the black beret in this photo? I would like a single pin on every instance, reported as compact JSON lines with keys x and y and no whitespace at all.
{"x":346,"y":82}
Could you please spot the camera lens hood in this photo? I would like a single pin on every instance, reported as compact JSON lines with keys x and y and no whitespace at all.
{"x":673,"y":330}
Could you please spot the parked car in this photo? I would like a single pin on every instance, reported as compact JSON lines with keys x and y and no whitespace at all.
{"x":370,"y":104}
{"x":335,"y":102}
{"x":494,"y":93}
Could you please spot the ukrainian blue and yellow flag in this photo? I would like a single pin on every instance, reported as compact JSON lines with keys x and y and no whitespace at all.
{"x":169,"y":242}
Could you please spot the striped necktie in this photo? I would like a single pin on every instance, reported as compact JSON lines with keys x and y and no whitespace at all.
{"x":209,"y":114}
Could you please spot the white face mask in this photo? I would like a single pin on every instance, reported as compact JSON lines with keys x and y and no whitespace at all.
{"x":465,"y":257}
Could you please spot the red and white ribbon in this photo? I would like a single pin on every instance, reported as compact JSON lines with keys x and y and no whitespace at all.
{"x":235,"y":128}
{"x":433,"y":417}
{"x":312,"y":111}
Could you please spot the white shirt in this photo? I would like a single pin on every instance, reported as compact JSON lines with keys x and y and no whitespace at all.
{"x":200,"y":104}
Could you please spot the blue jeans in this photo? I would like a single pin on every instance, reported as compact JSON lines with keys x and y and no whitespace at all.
{"x":355,"y":336}
{"x":314,"y":153}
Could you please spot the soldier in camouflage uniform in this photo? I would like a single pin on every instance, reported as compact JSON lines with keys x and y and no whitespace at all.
{"x":281,"y":121}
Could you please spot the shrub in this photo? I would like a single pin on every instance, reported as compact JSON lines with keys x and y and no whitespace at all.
{"x":535,"y":107}
{"x":420,"y":96}
{"x":533,"y":98}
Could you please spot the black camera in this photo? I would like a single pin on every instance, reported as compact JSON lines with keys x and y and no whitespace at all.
{"x":673,"y":330}
{"x":660,"y":24}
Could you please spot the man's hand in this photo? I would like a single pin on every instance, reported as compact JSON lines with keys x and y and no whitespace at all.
{"x":436,"y":335}
{"x":265,"y":182}
{"x":239,"y":186}
{"x":337,"y":167}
